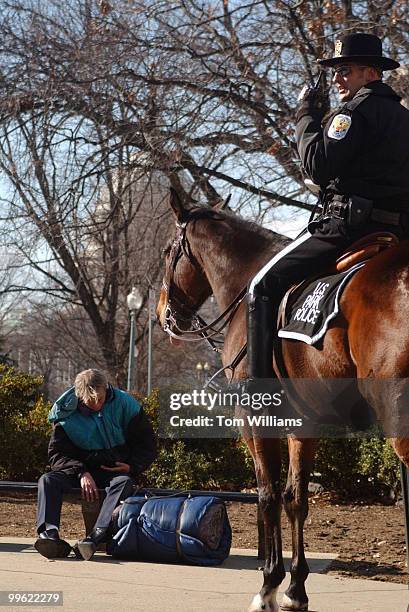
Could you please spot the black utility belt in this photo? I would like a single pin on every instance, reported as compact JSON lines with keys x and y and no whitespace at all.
{"x":356,"y":210}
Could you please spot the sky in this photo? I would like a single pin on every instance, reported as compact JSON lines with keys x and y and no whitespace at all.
{"x":289,"y":222}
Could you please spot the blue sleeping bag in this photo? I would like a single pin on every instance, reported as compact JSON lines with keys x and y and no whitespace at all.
{"x":194,"y":530}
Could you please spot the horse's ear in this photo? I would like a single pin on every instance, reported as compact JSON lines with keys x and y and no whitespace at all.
{"x":222,"y":204}
{"x":179,"y":208}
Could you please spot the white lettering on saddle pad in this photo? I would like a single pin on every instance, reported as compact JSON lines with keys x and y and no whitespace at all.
{"x":310,"y":310}
{"x":339,"y":127}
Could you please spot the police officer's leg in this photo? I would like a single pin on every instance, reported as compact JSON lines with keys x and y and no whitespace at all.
{"x":309,"y":254}
{"x":259,"y":334}
{"x":265,"y":292}
{"x":51,"y":488}
{"x":119,"y":488}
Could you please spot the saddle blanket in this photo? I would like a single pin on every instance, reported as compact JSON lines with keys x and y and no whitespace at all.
{"x":308,"y":316}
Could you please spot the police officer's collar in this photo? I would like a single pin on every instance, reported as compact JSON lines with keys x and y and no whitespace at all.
{"x":378,"y":88}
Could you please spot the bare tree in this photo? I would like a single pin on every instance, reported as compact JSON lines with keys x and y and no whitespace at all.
{"x":209,"y":87}
{"x":98,"y":100}
{"x":72,"y":225}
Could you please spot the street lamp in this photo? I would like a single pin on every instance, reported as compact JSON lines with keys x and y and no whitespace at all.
{"x":199,"y":371}
{"x":202,"y":370}
{"x":134,"y":301}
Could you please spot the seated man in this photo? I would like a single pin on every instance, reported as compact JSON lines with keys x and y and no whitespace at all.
{"x":101,"y":439}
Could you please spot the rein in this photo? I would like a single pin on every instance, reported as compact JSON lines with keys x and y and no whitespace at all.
{"x":170,"y":320}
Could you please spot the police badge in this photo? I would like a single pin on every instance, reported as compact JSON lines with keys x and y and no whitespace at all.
{"x":339,"y":126}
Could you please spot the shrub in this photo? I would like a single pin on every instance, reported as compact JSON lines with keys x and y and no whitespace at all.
{"x":353,"y":466}
{"x":358,"y":466}
{"x":198,"y":463}
{"x":379,"y":463}
{"x":24,"y":430}
{"x":201,"y":464}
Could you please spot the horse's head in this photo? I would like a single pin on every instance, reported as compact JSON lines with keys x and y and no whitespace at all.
{"x":185,"y":286}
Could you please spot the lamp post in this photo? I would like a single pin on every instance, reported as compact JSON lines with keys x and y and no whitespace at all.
{"x":151,"y":319}
{"x":206,"y":369}
{"x":134,"y":301}
{"x":405,"y":494}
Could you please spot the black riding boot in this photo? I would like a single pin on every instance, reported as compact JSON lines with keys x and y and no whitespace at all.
{"x":261,"y":327}
{"x":261,"y":332}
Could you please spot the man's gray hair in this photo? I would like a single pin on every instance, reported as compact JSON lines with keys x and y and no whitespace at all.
{"x":89,"y":383}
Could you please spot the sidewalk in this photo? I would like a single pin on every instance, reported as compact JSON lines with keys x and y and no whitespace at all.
{"x":105,"y":584}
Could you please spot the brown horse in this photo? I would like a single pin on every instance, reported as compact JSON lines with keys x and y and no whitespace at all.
{"x":217,"y":253}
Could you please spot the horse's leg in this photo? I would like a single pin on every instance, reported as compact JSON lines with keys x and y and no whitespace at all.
{"x":301,"y":457}
{"x":267,"y":460}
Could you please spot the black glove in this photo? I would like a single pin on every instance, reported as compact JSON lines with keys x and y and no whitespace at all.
{"x":312,"y":102}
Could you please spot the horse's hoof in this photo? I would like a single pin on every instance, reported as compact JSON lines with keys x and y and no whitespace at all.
{"x":264,"y":604}
{"x":293,"y":604}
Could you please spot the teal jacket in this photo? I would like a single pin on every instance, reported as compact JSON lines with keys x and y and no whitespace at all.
{"x":83,"y":440}
{"x":95,"y":430}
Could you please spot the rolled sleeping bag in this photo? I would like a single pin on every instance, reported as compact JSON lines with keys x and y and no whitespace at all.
{"x":174,"y":529}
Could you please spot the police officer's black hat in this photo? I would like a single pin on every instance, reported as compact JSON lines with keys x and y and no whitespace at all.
{"x":359,"y":47}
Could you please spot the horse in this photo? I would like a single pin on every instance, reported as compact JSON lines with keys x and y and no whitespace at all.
{"x":217,"y":252}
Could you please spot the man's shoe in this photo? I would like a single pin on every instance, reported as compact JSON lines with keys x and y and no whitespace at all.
{"x":50,"y":545}
{"x":87,"y":547}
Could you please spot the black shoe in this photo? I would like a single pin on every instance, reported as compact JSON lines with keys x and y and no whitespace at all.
{"x":87,"y":547}
{"x":50,"y":545}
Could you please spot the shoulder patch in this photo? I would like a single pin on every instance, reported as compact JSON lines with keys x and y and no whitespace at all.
{"x":339,"y":126}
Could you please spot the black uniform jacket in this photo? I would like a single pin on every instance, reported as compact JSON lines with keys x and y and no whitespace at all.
{"x":363,"y":149}
{"x":139,"y":450}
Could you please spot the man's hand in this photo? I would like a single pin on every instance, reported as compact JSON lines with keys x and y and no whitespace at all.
{"x":312,"y":102}
{"x":122,"y":468}
{"x":89,"y":489}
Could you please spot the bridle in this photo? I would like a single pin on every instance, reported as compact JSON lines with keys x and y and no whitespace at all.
{"x":176,"y":307}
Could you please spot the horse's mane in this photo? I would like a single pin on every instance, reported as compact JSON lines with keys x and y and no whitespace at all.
{"x":244,"y":227}
{"x":254,"y":236}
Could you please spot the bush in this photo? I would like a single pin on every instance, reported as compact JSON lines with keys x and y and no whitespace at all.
{"x":198,"y":463}
{"x":379,"y":463}
{"x":24,"y":429}
{"x":358,"y":466}
{"x":201,"y":464}
{"x":353,"y":467}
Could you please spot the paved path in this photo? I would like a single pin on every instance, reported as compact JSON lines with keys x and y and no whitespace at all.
{"x":105,"y":584}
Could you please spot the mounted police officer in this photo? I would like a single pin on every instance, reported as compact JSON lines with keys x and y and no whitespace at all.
{"x":359,"y":160}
